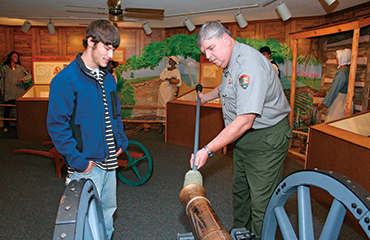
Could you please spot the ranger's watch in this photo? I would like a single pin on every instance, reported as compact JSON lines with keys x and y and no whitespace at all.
{"x":209,"y":152}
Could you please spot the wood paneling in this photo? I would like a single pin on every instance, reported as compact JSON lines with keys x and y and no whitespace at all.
{"x":48,"y":43}
{"x":74,"y":37}
{"x":67,"y":41}
{"x":3,"y":45}
{"x":128,"y":40}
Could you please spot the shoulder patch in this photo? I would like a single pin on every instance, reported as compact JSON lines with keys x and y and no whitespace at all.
{"x":244,"y":81}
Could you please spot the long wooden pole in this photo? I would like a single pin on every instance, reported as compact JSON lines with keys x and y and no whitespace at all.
{"x":294,"y":77}
{"x":352,"y":73}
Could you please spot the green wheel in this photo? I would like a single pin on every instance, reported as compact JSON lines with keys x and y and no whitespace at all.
{"x":136,"y":167}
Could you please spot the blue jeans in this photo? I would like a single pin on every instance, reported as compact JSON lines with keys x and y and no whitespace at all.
{"x":106,"y":186}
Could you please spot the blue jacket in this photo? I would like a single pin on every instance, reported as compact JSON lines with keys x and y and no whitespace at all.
{"x":75,"y":119}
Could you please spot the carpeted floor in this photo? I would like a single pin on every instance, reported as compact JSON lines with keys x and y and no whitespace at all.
{"x":31,"y":192}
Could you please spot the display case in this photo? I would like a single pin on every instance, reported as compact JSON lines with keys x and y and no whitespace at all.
{"x":32,"y":105}
{"x":181,"y":116}
{"x":341,"y":146}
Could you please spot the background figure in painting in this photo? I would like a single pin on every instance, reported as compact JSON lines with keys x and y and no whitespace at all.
{"x":266,"y":51}
{"x":337,"y":96}
{"x":170,"y":86}
{"x":13,"y":76}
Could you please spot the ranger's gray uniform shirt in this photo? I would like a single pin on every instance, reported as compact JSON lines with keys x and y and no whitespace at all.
{"x":250,"y":85}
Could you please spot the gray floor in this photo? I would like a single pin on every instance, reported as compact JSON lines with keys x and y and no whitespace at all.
{"x":31,"y":192}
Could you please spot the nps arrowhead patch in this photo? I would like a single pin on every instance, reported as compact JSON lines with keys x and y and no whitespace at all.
{"x":244,"y":81}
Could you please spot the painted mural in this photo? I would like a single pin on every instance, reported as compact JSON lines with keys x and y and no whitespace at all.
{"x":138,"y":80}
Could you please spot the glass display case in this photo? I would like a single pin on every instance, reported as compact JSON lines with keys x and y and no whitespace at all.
{"x":359,"y":124}
{"x":341,"y":146}
{"x":181,"y":116}
{"x":32,"y":105}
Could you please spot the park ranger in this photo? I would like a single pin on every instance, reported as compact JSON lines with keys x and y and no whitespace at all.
{"x":255,"y":112}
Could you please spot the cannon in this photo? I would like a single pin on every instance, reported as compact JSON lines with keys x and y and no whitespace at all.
{"x":80,"y":217}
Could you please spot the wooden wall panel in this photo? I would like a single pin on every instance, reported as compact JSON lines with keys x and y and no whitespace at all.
{"x":304,"y":45}
{"x":275,"y":29}
{"x":67,"y":41}
{"x":23,"y":45}
{"x":354,"y":12}
{"x":22,"y":42}
{"x":156,"y":36}
{"x":48,"y":43}
{"x":74,"y":37}
{"x":248,"y":31}
{"x":3,"y":44}
{"x":128,"y":40}
{"x":180,"y":30}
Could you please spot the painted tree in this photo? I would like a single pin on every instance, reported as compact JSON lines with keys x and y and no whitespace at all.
{"x":288,"y":55}
{"x":279,"y":52}
{"x":126,"y":94}
{"x":153,"y":54}
{"x":185,"y":45}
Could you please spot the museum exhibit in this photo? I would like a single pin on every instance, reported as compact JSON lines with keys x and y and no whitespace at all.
{"x":216,"y":120}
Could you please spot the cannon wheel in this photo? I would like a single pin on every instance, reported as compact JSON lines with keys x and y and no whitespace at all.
{"x":347,"y":194}
{"x":137,"y":167}
{"x":80,"y":215}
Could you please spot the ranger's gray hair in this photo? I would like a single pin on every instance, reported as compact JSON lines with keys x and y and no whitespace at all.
{"x":209,"y":30}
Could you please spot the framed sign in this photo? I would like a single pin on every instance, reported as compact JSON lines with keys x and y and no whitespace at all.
{"x":210,"y":74}
{"x":46,"y":67}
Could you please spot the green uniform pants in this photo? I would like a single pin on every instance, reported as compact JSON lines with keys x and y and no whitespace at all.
{"x":258,"y":166}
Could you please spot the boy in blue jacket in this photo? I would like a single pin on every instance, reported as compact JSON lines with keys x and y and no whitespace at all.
{"x":84,"y":119}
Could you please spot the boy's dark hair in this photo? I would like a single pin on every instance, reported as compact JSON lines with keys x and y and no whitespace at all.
{"x":102,"y":31}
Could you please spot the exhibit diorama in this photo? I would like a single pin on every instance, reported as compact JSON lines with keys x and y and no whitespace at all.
{"x":331,"y":156}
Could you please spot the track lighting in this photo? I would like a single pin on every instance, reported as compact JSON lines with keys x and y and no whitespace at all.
{"x":241,"y":19}
{"x":26,"y":26}
{"x":267,"y":2}
{"x":147,"y":28}
{"x":51,"y":27}
{"x":189,"y":24}
{"x":283,"y":10}
{"x":329,"y":2}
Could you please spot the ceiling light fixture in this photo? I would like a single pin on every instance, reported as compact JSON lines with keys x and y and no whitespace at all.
{"x":51,"y":27}
{"x":26,"y":26}
{"x":329,"y":2}
{"x":241,"y":19}
{"x":189,"y":24}
{"x":283,"y":10}
{"x":147,"y":28}
{"x":213,"y":10}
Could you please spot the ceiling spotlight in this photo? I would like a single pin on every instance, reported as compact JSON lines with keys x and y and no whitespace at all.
{"x":147,"y":28}
{"x":329,"y":2}
{"x":189,"y":24}
{"x":283,"y":10}
{"x":241,"y":19}
{"x":26,"y":26}
{"x":51,"y":27}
